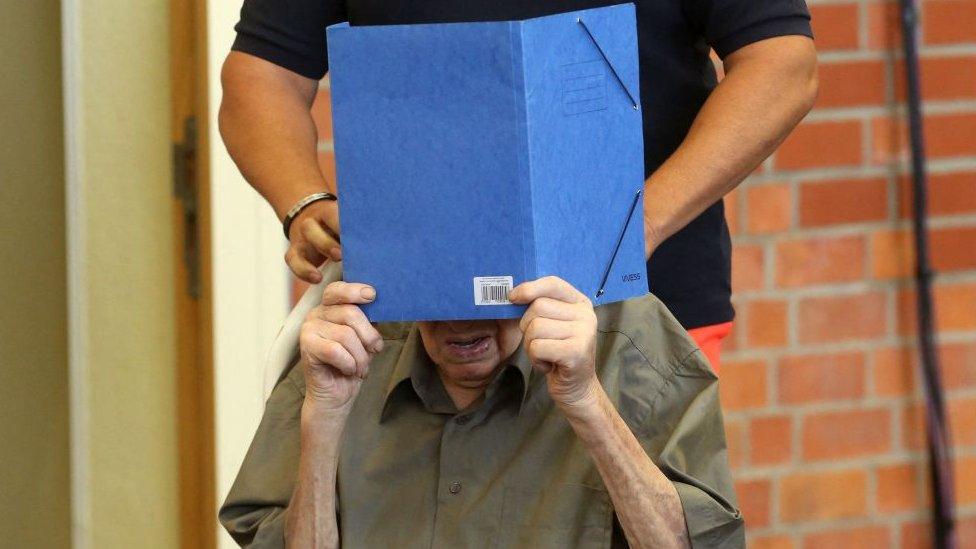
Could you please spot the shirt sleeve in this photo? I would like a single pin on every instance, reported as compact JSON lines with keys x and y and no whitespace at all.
{"x":728,"y":25}
{"x":694,"y":457}
{"x":255,"y":509}
{"x":289,"y":33}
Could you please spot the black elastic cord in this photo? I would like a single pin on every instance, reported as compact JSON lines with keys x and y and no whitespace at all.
{"x":937,"y":427}
{"x":620,"y":239}
{"x":613,"y":69}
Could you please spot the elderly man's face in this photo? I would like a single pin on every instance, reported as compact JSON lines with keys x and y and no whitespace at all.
{"x":468,"y":352}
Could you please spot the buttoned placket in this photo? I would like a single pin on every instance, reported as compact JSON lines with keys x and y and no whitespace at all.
{"x":453,"y":472}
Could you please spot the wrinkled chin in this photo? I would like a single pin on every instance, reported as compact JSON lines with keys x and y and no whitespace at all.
{"x":470,"y":374}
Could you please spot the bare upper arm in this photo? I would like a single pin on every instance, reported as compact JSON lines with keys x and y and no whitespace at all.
{"x":243,"y":73}
{"x":796,"y":52}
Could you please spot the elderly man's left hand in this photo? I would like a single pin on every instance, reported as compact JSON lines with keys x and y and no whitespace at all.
{"x":560,"y":338}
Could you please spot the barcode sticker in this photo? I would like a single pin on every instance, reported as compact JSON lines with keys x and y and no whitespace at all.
{"x":492,"y":290}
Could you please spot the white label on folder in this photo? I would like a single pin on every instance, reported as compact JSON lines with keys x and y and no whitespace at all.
{"x":492,"y":290}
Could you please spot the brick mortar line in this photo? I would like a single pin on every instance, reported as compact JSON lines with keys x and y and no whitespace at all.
{"x":895,"y":55}
{"x":863,"y":25}
{"x":892,"y":187}
{"x":831,"y":57}
{"x":774,"y":354}
{"x":956,"y":337}
{"x":897,"y":168}
{"x":853,"y":229}
{"x":816,"y":174}
{"x":943,"y":50}
{"x":815,"y":292}
{"x":867,"y":264}
{"x":953,"y":221}
{"x":869,"y":464}
{"x":831,"y":232}
{"x":889,"y":109}
{"x":869,"y":401}
{"x":849,"y":404}
{"x":867,"y":142}
{"x":769,"y":262}
{"x":871,"y":491}
{"x":870,"y":365}
{"x":949,"y":106}
{"x":853,"y":287}
{"x":793,"y":309}
{"x":890,"y":92}
{"x":865,"y":463}
{"x":907,"y":343}
{"x":848,"y":288}
{"x":890,"y":169}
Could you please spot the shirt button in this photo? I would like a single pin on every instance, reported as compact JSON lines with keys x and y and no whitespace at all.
{"x":461,"y":420}
{"x":455,"y":487}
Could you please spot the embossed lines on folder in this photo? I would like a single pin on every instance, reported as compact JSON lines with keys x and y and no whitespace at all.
{"x":584,"y":87}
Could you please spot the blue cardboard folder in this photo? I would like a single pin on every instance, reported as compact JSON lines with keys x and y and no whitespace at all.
{"x":474,"y":156}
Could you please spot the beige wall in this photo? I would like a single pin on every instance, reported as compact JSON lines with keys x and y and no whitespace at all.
{"x":122,"y":285}
{"x":34,"y":476}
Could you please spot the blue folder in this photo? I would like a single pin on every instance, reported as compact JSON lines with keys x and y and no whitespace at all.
{"x":474,"y":156}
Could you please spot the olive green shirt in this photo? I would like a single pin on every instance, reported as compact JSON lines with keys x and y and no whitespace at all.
{"x":509,"y":472}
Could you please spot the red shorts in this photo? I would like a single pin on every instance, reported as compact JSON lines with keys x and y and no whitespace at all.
{"x":709,"y":340}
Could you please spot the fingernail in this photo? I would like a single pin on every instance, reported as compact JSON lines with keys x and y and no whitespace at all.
{"x":368,"y":293}
{"x":336,"y":254}
{"x":378,"y":346}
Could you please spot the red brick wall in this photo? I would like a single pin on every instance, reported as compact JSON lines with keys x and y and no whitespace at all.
{"x":819,"y":382}
{"x":823,"y":405}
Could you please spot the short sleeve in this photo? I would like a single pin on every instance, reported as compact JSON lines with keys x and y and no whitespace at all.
{"x":255,"y":509}
{"x":694,"y":457}
{"x":289,"y":33}
{"x":728,"y":25}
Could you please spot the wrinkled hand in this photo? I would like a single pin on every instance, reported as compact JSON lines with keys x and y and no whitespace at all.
{"x":337,"y":342}
{"x":560,"y":337}
{"x":313,"y":237}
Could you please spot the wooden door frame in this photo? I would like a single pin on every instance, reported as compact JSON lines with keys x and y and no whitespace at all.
{"x":194,"y":312}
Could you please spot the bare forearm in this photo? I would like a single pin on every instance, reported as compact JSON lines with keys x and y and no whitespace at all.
{"x":268,"y":129}
{"x":311,"y":520}
{"x":769,"y":86}
{"x":645,"y":501}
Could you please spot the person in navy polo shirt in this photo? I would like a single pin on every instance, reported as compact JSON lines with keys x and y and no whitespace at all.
{"x":702,"y":137}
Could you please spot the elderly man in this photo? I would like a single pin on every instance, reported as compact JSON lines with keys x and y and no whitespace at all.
{"x":569,"y":427}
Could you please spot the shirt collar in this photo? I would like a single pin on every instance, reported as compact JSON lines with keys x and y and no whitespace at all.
{"x":414,"y":364}
{"x":520,"y":360}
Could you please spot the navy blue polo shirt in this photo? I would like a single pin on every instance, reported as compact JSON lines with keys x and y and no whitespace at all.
{"x":691,"y":271}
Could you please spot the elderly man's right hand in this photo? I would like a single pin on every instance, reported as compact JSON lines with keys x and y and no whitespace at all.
{"x":337,"y":342}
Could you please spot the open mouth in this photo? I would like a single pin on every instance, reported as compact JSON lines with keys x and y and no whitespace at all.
{"x":469,"y":347}
{"x":468,"y":343}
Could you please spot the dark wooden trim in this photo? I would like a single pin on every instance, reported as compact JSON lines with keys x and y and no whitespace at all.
{"x":194,"y":368}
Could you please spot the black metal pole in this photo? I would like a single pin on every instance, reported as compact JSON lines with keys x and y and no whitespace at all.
{"x":943,"y":519}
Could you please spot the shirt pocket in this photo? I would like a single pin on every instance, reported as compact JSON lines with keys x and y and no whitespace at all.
{"x":559,"y":516}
